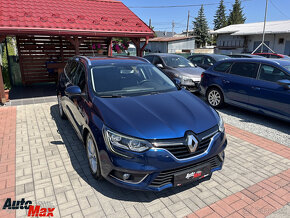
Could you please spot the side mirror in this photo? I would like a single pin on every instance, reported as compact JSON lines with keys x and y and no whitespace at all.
{"x":159,"y":66}
{"x":73,"y":91}
{"x":177,"y":81}
{"x":285,"y":83}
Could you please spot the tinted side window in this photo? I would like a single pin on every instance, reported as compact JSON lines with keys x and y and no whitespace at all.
{"x":157,"y":60}
{"x":208,"y":61}
{"x":272,"y":74}
{"x":222,"y":67}
{"x":149,"y":58}
{"x":196,"y":60}
{"x":245,"y":69}
{"x":72,"y":69}
{"x":80,"y":77}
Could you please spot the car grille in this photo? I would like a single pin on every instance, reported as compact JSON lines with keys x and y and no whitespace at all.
{"x":181,"y":151}
{"x":179,"y":148}
{"x":166,"y":177}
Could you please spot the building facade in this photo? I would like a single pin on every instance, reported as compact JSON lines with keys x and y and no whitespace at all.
{"x":245,"y":38}
{"x":171,"y":45}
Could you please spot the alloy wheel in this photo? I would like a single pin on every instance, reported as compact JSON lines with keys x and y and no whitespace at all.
{"x":214,"y":98}
{"x":92,"y":155}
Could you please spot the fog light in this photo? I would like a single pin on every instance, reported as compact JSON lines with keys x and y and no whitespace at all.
{"x":126,"y":176}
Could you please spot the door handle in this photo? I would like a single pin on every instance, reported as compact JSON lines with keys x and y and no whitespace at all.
{"x":226,"y":81}
{"x":256,"y":88}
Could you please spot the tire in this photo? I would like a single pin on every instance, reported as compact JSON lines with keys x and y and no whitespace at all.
{"x":215,"y":97}
{"x":93,"y":157}
{"x":60,"y":109}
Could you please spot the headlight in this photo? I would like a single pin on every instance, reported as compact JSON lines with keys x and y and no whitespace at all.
{"x":221,"y":124}
{"x":117,"y":140}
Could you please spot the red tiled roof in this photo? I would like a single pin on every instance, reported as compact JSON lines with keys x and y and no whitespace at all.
{"x":70,"y":17}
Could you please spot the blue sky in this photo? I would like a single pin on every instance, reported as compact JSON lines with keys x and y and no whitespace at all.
{"x":162,"y":18}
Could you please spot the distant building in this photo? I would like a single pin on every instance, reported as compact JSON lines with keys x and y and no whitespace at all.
{"x":245,"y":38}
{"x":164,"y":34}
{"x":171,"y":45}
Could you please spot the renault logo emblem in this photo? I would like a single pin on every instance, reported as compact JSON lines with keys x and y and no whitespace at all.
{"x":191,"y":143}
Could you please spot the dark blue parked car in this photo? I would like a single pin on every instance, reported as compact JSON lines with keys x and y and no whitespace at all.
{"x":260,"y":85}
{"x":140,"y":130}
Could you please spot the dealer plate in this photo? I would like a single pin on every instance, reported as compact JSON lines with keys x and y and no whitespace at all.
{"x":191,"y":175}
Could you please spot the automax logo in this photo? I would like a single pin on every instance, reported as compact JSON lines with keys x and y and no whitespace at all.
{"x":33,"y":210}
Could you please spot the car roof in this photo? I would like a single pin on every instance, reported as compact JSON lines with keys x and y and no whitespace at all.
{"x":99,"y":60}
{"x":247,"y":55}
{"x":164,"y":55}
{"x":210,"y":55}
{"x":259,"y":60}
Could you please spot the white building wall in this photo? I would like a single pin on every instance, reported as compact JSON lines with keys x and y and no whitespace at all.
{"x":181,"y":45}
{"x":156,"y":47}
{"x":226,"y":40}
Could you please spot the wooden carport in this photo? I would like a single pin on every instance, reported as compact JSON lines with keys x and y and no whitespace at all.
{"x":61,"y":29}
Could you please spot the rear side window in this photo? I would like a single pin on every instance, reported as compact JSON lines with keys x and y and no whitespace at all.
{"x":196,"y":59}
{"x":245,"y":69}
{"x":222,"y":67}
{"x":149,"y":58}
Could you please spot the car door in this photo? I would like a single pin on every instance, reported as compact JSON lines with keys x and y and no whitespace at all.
{"x":268,"y":95}
{"x":237,"y":85}
{"x":79,"y":106}
{"x":67,"y":100}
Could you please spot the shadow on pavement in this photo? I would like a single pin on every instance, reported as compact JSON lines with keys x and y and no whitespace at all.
{"x":80,"y":164}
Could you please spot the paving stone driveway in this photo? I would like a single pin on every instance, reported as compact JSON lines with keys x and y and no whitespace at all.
{"x":52,"y":170}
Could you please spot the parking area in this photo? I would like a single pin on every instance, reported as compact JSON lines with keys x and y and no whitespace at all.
{"x":43,"y":161}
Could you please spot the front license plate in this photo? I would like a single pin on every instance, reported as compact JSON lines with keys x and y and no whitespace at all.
{"x":191,"y":175}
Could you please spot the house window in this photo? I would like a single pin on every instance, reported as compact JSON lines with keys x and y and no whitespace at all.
{"x":281,"y":41}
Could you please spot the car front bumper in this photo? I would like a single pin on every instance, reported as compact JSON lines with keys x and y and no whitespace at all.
{"x":156,"y":167}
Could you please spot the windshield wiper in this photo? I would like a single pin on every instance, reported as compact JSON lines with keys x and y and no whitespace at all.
{"x":111,"y":96}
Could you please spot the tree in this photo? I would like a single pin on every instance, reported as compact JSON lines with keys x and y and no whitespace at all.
{"x":201,"y":30}
{"x":220,"y":18}
{"x":236,"y":14}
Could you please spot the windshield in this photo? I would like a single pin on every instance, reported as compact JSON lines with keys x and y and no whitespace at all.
{"x":287,"y":67}
{"x":176,"y":61}
{"x":117,"y":80}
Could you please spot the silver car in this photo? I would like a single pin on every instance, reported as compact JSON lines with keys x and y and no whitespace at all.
{"x":178,"y":67}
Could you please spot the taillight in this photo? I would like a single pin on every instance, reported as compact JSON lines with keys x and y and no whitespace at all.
{"x":202,"y":75}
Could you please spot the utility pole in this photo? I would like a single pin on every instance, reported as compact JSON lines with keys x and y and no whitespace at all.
{"x":265,"y":20}
{"x":187,"y":26}
{"x":150,"y":23}
{"x":173,"y":25}
{"x":263,"y":39}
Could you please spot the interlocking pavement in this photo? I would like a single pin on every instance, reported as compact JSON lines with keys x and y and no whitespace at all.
{"x":52,"y":171}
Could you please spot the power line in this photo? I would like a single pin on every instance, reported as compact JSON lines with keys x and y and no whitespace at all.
{"x":278,"y":9}
{"x":182,"y":6}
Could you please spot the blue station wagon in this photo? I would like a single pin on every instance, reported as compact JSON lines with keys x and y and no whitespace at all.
{"x":140,"y":130}
{"x":260,"y":85}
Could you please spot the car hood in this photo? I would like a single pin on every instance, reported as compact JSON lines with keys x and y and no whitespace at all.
{"x":192,"y":72}
{"x":160,"y":116}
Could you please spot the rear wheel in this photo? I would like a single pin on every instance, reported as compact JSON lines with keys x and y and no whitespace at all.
{"x":60,"y":109}
{"x":93,"y":157}
{"x":215,"y":97}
